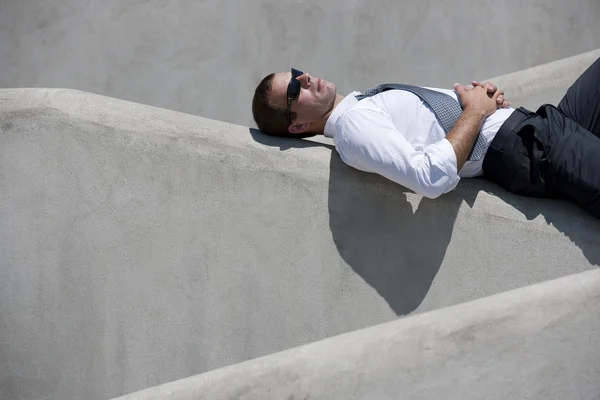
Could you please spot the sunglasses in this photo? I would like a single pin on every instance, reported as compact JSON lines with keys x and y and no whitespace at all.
{"x":293,"y":91}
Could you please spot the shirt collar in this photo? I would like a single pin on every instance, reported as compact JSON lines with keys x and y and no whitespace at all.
{"x":347,"y":103}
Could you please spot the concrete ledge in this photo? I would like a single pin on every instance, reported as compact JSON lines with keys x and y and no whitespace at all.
{"x":545,"y":83}
{"x":538,"y":342}
{"x":140,"y":245}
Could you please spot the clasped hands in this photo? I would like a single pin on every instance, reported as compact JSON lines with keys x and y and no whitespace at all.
{"x":484,"y":97}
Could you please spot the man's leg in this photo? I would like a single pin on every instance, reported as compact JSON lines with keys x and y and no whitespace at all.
{"x":582,"y":101}
{"x":547,"y":155}
{"x":571,"y":159}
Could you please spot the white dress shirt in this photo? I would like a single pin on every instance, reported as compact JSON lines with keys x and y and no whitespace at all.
{"x":394,"y":134}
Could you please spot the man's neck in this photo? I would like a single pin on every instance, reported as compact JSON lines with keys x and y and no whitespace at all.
{"x":319,"y":127}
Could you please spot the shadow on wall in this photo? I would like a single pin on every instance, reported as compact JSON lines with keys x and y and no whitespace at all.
{"x":399,"y":251}
{"x":581,"y":227}
{"x":396,"y":250}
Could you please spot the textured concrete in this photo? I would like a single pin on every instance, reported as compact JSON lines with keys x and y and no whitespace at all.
{"x":140,"y":245}
{"x":545,"y":84}
{"x":205,"y":57}
{"x":537,"y":343}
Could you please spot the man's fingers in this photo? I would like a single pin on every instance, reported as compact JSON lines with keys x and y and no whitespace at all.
{"x":491,"y":88}
{"x":459,"y":88}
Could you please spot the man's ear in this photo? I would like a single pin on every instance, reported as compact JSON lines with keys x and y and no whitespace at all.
{"x":299,"y":128}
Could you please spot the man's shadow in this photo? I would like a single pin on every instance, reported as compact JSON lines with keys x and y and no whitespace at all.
{"x":395,"y":250}
{"x":399,"y":251}
{"x":581,"y":227}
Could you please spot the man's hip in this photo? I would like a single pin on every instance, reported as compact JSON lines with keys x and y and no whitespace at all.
{"x":546,"y":154}
{"x":515,"y":159}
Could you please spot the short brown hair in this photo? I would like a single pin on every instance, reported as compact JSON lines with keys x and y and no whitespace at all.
{"x":271,"y":118}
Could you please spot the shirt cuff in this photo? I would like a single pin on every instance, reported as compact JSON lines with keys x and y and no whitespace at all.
{"x":442,"y":155}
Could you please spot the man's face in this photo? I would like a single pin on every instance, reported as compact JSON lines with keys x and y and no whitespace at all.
{"x":315,"y":96}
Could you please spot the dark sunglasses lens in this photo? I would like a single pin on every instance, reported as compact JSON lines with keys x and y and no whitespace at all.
{"x":294,"y":88}
{"x":294,"y":85}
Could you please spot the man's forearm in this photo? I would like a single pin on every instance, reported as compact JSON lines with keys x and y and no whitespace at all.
{"x":463,"y":135}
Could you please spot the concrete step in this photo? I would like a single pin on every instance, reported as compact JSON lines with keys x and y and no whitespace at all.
{"x":537,"y":342}
{"x":140,"y":245}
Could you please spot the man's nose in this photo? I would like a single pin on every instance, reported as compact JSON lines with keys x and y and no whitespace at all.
{"x":304,"y":80}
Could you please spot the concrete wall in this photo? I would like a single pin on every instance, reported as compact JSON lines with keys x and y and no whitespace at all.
{"x":205,"y":57}
{"x":537,"y":343}
{"x":140,"y":245}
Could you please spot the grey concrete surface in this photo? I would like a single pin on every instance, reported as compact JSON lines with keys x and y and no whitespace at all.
{"x":205,"y":57}
{"x":140,"y":245}
{"x":546,"y":83}
{"x":537,"y":343}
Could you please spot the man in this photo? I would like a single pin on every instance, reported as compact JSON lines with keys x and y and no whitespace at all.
{"x":407,"y":136}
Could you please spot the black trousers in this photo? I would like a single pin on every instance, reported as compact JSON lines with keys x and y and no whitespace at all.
{"x":555,"y":151}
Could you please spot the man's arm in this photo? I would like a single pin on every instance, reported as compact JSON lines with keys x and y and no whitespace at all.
{"x":370,"y":142}
{"x":477,"y":106}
